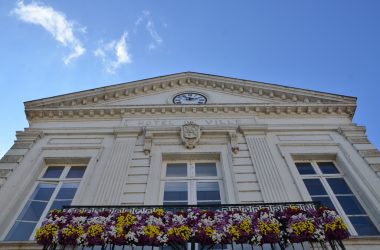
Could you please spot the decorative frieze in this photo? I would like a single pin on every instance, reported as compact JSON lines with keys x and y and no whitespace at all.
{"x":121,"y":111}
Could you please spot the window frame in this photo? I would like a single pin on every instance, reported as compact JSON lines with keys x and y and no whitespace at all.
{"x":191,"y":179}
{"x":330,"y":193}
{"x":58,"y":182}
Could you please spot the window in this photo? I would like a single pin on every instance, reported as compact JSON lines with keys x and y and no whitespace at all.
{"x":55,"y":188}
{"x":191,"y":183}
{"x":326,"y":184}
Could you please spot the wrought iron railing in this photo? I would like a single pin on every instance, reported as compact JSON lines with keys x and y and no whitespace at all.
{"x":246,"y":207}
{"x":278,"y":210}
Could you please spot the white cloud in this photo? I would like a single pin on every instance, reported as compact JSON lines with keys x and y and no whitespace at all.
{"x":153,"y":33}
{"x":140,"y":19}
{"x":54,"y":22}
{"x":150,"y":27}
{"x":119,"y":49}
{"x":100,"y":53}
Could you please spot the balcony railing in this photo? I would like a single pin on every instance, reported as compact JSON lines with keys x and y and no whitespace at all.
{"x":227,"y":226}
{"x":252,"y":207}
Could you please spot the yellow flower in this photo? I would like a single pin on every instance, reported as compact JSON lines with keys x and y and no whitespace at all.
{"x":46,"y":231}
{"x":152,"y":231}
{"x":294,"y":208}
{"x":302,"y":226}
{"x":124,"y":220}
{"x":245,"y":225}
{"x":268,"y":228}
{"x":159,"y":212}
{"x":182,"y":231}
{"x":209,"y":231}
{"x":336,"y":224}
{"x":70,"y":229}
{"x":95,"y":230}
{"x":234,"y":232}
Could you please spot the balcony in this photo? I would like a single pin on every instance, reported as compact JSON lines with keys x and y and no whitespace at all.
{"x":300,"y":225}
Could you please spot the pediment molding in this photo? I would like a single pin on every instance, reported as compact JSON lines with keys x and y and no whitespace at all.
{"x":270,"y":92}
{"x":117,"y":112}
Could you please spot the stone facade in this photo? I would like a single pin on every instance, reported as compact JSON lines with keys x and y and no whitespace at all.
{"x":126,"y":133}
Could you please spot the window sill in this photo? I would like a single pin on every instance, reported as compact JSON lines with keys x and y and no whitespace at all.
{"x":362,"y":242}
{"x":19,"y":245}
{"x":354,"y":242}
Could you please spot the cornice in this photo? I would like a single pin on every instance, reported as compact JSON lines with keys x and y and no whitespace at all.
{"x":117,"y":112}
{"x":127,"y":132}
{"x":258,"y":129}
{"x":228,"y":85}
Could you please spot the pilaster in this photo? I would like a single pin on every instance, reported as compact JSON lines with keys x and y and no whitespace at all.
{"x":270,"y":181}
{"x":116,"y":168}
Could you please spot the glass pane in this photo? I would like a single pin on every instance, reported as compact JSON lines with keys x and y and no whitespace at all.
{"x":59,"y":204}
{"x":364,"y":226}
{"x":178,"y":203}
{"x":175,"y":191}
{"x":205,"y":169}
{"x":76,"y":172}
{"x":314,"y":186}
{"x":325,"y":201}
{"x":328,"y":168}
{"x":209,"y":202}
{"x":43,"y":192}
{"x":208,"y":191}
{"x":20,"y":231}
{"x":339,"y":186}
{"x":53,"y":172}
{"x":305,"y":168}
{"x":32,"y":211}
{"x":176,"y":170}
{"x":350,"y":205}
{"x":67,"y":191}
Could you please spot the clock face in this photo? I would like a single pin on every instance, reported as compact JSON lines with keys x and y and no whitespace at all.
{"x":189,"y":98}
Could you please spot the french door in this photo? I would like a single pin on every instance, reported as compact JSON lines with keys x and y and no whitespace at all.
{"x":191,"y":183}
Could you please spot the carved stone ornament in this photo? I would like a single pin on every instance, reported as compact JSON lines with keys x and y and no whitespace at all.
{"x":234,"y":142}
{"x":190,"y":134}
{"x":147,"y":142}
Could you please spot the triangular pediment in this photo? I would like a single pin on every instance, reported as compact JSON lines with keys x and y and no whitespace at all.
{"x":160,"y":90}
{"x":167,"y":97}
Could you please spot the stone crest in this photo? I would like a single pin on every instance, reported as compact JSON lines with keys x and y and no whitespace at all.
{"x":190,"y":134}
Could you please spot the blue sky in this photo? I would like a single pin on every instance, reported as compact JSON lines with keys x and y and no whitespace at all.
{"x":55,"y":47}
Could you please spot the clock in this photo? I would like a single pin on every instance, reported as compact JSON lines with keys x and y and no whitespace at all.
{"x":189,"y":98}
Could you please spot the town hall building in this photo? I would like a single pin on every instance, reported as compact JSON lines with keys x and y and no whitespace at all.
{"x":190,"y":139}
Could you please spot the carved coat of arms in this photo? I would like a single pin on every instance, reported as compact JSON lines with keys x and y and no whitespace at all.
{"x":190,"y":134}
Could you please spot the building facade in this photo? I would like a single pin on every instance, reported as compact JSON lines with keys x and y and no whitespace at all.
{"x":190,"y":138}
